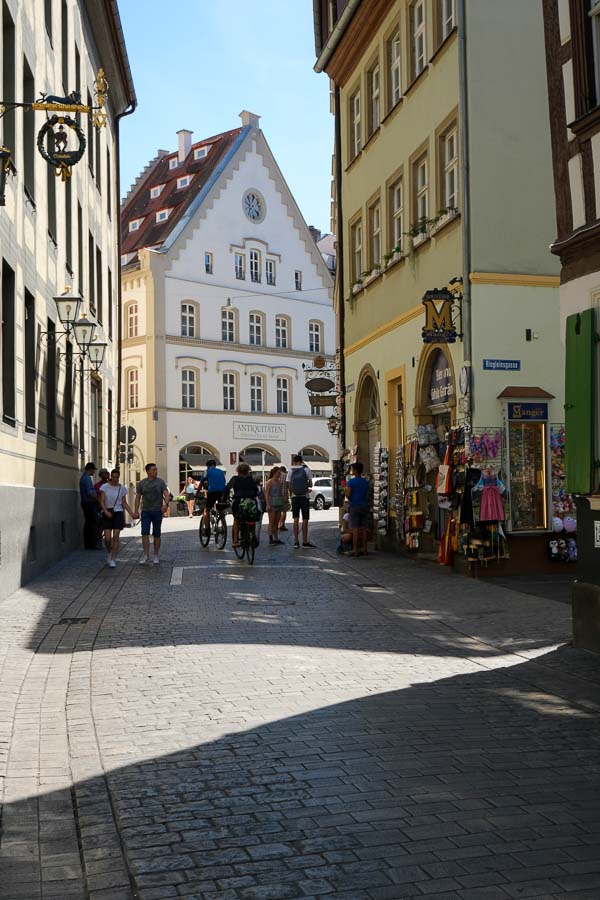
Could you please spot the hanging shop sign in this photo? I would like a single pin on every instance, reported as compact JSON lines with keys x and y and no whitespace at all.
{"x":441,"y":385}
{"x":502,"y":365}
{"x":528,"y":412}
{"x":439,"y":326}
{"x":320,"y":383}
{"x":320,"y":400}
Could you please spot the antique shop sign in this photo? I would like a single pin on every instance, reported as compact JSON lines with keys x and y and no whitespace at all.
{"x":258,"y":431}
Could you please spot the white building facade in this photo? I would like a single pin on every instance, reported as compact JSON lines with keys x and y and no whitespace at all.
{"x":56,"y":234}
{"x":221,"y":313}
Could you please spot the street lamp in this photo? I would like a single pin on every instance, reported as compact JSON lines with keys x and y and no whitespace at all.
{"x":96,"y":351}
{"x":83,"y":330}
{"x":68,"y":309}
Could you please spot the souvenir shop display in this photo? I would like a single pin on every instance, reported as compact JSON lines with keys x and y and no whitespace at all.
{"x":491,"y":508}
{"x":399,"y":498}
{"x":564,"y":512}
{"x":527,"y":452}
{"x":381,"y":467}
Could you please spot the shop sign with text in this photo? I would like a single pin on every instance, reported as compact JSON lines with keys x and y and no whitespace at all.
{"x":256,"y":431}
{"x":441,"y":386}
{"x":528,"y":412}
{"x":439,"y":327}
{"x":502,"y":365}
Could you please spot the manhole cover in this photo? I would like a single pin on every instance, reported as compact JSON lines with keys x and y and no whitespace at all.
{"x":74,"y":621}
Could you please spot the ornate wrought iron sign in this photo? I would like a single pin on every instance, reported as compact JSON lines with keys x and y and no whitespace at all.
{"x":443,"y":310}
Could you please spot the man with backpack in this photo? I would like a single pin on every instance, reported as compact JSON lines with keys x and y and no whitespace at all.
{"x":214,"y":485}
{"x":299,"y":479}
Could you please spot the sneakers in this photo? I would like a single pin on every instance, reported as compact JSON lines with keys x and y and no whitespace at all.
{"x":144,"y":560}
{"x":108,"y":558}
{"x":296,"y":546}
{"x":112,"y":564}
{"x":155,"y":561}
{"x":308,"y":546}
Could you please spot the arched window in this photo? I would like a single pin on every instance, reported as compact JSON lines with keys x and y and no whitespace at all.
{"x":257,"y":393}
{"x":282,"y":331}
{"x":315,"y":337}
{"x":189,"y":388}
{"x":132,"y":320}
{"x":229,"y":391}
{"x":283,"y":395}
{"x":256,"y":322}
{"x":228,"y":325}
{"x":188,"y":320}
{"x":133,"y":389}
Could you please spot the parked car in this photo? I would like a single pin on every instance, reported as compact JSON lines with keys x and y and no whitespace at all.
{"x":321,"y":496}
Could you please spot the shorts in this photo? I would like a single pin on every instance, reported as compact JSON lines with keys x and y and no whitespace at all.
{"x":116,"y":522}
{"x":300,"y":505}
{"x":152,"y":517}
{"x":212,"y":498}
{"x":359,"y":517}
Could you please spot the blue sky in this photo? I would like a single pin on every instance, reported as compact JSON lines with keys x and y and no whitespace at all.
{"x":197,"y":63}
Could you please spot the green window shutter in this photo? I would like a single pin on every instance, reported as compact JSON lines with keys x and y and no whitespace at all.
{"x":580,"y":378}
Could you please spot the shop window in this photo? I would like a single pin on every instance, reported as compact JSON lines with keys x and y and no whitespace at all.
{"x":527,"y":467}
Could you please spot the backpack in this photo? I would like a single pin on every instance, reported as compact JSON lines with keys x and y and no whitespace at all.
{"x":299,"y":482}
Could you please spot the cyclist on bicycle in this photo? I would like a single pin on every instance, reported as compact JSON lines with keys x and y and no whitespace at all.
{"x":214,"y":485}
{"x":243,"y":487}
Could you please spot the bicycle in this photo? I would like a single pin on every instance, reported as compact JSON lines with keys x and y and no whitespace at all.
{"x":217,"y":525}
{"x":246,"y":533}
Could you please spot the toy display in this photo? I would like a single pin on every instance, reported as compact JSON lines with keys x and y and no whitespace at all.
{"x":564,"y":519}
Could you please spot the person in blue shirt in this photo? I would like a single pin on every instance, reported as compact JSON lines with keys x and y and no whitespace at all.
{"x":357,"y":492}
{"x":214,"y":485}
{"x":89,"y":505}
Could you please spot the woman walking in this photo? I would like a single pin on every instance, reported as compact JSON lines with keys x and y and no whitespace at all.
{"x":274,"y":497}
{"x":243,"y":487}
{"x":190,"y":496}
{"x":113,"y":499}
{"x":286,"y":499}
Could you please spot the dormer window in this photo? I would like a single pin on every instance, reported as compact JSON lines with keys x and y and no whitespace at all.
{"x":162,"y":215}
{"x":183,"y":181}
{"x":156,"y":191}
{"x":173,"y":162}
{"x":135,"y":224}
{"x":201,"y":152}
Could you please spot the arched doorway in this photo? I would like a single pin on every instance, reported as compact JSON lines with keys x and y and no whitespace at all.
{"x":261,"y":458}
{"x":193,"y":459}
{"x":317,"y":460}
{"x":367,"y":421}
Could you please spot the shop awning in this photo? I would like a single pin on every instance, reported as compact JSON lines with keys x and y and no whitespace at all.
{"x":521,"y":393}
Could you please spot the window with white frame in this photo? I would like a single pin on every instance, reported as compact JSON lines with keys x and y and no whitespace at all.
{"x":373,"y":80}
{"x":270,"y":271}
{"x":315,"y":337}
{"x":229,"y":398}
{"x":375,"y":234}
{"x":355,"y":126}
{"x":188,"y":320}
{"x":208,"y":263}
{"x":254,"y":265}
{"x":446,"y":18}
{"x":394,"y":70}
{"x":298,"y":280}
{"x":156,"y":191}
{"x":162,"y":215}
{"x":357,"y":260}
{"x":256,"y":329}
{"x":183,"y":181}
{"x":228,"y":325}
{"x":173,"y":162}
{"x":396,"y":206}
{"x":188,"y":388}
{"x":133,"y":388}
{"x":283,"y":395}
{"x":449,"y":174}
{"x":418,"y":37}
{"x":256,"y":393}
{"x":421,"y":192}
{"x":132,"y":320}
{"x":134,"y":225}
{"x":201,"y":152}
{"x":240,"y":266}
{"x":281,"y":331}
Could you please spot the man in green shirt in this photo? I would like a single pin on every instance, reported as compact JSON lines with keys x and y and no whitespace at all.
{"x":153,"y":494}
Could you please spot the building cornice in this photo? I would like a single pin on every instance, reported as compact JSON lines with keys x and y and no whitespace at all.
{"x":252,"y":349}
{"x":515,"y":279}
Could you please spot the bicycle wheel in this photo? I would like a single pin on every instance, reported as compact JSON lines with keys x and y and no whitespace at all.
{"x":250,"y":543}
{"x":220,"y":532}
{"x":204,"y":532}
{"x":241,"y":548}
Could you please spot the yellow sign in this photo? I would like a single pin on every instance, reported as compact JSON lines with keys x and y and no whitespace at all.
{"x":439,"y":327}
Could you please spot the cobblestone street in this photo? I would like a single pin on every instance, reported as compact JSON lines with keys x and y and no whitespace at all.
{"x":311,"y":726}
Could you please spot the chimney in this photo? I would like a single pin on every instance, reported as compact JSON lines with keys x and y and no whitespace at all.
{"x":316,"y":234}
{"x":249,"y":118}
{"x":185,"y":144}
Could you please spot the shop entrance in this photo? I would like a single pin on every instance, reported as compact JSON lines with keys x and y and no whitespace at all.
{"x":193,"y":459}
{"x":367,"y":423}
{"x":261,"y":459}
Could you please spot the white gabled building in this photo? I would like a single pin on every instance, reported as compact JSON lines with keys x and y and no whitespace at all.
{"x":225,"y":297}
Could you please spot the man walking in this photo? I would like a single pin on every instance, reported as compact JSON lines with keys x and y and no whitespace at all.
{"x":299,"y":479}
{"x":153,"y":494}
{"x":89,"y":505}
{"x":357,"y":493}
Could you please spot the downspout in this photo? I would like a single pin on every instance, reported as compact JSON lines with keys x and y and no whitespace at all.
{"x":339,"y":268}
{"x":466,"y":201}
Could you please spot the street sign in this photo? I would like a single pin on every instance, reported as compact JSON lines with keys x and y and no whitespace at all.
{"x":127,"y":434}
{"x":319,"y":400}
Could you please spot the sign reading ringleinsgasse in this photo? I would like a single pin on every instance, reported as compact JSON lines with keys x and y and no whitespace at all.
{"x":259,"y":431}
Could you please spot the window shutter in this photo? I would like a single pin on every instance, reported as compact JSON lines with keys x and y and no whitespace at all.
{"x":580,"y":377}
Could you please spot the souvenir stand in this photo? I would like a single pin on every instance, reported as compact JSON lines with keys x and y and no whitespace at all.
{"x":381,"y":466}
{"x":562,"y":546}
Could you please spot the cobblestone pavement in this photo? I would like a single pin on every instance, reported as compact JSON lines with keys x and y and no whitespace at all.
{"x":308,"y":727}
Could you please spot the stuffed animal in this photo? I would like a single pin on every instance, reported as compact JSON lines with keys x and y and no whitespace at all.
{"x":557,"y":524}
{"x":570,"y":524}
{"x":562,"y":550}
{"x":572,"y":549}
{"x":553,"y":549}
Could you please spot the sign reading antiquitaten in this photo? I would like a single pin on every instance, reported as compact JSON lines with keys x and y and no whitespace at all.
{"x":259,"y":431}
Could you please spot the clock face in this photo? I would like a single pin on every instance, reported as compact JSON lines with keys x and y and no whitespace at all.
{"x":254,"y":206}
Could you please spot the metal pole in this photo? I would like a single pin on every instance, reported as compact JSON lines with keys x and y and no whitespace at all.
{"x":466,"y":202}
{"x":81,"y":409}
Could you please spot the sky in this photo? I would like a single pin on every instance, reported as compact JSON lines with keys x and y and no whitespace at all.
{"x":197,"y":64}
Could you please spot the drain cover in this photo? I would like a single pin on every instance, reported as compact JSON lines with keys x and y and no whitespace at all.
{"x":75,"y":621}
